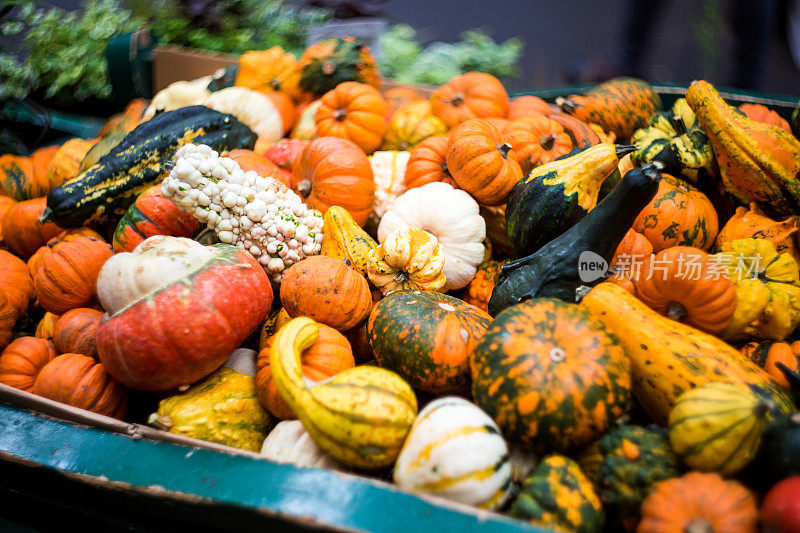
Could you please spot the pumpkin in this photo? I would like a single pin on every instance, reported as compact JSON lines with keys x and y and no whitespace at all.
{"x":46,"y":326}
{"x":481,"y":162}
{"x":524,"y":106}
{"x":80,"y":381}
{"x":344,"y":239}
{"x":290,"y":443}
{"x":125,"y":121}
{"x":767,"y":290}
{"x":758,"y":162}
{"x":717,"y":427}
{"x":752,"y":223}
{"x":580,"y":133}
{"x":408,"y":128}
{"x":17,"y":180}
{"x":75,"y":331}
{"x":66,"y":274}
{"x":223,"y":408}
{"x":398,"y":97}
{"x":66,"y":162}
{"x":22,"y":231}
{"x":634,"y":249}
{"x":16,"y":290}
{"x":329,"y":355}
{"x":333,"y":61}
{"x":686,"y":284}
{"x":467,"y":96}
{"x":455,"y":451}
{"x":284,"y":152}
{"x":768,"y":354}
{"x":550,"y":375}
{"x":331,"y":171}
{"x":678,"y":215}
{"x":23,"y":359}
{"x":65,"y":236}
{"x":353,"y":111}
{"x":699,"y":502}
{"x":388,"y":169}
{"x":536,"y":140}
{"x":5,"y":204}
{"x":779,"y":456}
{"x":668,"y":358}
{"x":408,"y":258}
{"x":763,"y":114}
{"x":620,"y":105}
{"x":480,"y":288}
{"x":625,"y":465}
{"x":427,"y":338}
{"x":250,"y":160}
{"x":558,"y":496}
{"x":327,"y":290}
{"x":268,"y":70}
{"x":152,"y":214}
{"x":427,"y":163}
{"x":176,"y":310}
{"x":452,"y":216}
{"x":780,"y":510}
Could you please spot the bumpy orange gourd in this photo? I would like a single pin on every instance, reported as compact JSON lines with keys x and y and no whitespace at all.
{"x":23,"y":359}
{"x":699,"y":503}
{"x":353,"y":111}
{"x":678,"y":215}
{"x":536,"y":140}
{"x":427,"y":163}
{"x":22,"y":231}
{"x":752,"y":223}
{"x":684,"y":284}
{"x":66,"y":274}
{"x":758,"y":162}
{"x":523,"y":106}
{"x":75,"y":331}
{"x":481,"y":162}
{"x":329,"y":355}
{"x":470,"y":95}
{"x":80,"y":381}
{"x":331,"y":171}
{"x":327,"y":290}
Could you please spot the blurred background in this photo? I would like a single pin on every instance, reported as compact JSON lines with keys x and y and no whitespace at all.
{"x":56,"y":50}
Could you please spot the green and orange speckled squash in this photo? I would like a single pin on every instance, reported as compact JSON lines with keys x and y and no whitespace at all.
{"x":620,"y":105}
{"x":427,"y":338}
{"x":550,"y":375}
{"x":152,"y":214}
{"x":558,"y":496}
{"x":479,"y":290}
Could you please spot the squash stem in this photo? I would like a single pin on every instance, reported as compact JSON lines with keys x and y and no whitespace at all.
{"x":340,"y":114}
{"x":304,"y":188}
{"x":548,"y":141}
{"x":566,"y":105}
{"x":678,"y":124}
{"x":329,"y":68}
{"x":457,"y":99}
{"x":699,"y":525}
{"x":624,"y":149}
{"x":676,"y":311}
{"x":504,"y":149}
{"x":161,"y":422}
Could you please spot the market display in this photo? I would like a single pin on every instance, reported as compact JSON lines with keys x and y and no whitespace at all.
{"x":583,"y":314}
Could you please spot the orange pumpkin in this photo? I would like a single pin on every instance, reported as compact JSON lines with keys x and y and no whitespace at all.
{"x":765,"y":115}
{"x":250,"y":160}
{"x":536,"y":140}
{"x":683,"y":284}
{"x":634,"y":247}
{"x":498,"y":122}
{"x":331,"y":171}
{"x":80,"y":381}
{"x":66,"y":162}
{"x":16,"y":290}
{"x":17,"y":179}
{"x":467,"y":96}
{"x":768,"y":354}
{"x":699,"y":502}
{"x":23,"y":359}
{"x":66,"y":274}
{"x":5,"y":204}
{"x":481,"y":162}
{"x":524,"y":106}
{"x":427,"y":163}
{"x":66,"y":235}
{"x":75,"y":331}
{"x":329,"y":355}
{"x":268,"y":71}
{"x":397,"y":97}
{"x":22,"y":231}
{"x":46,"y":326}
{"x":752,"y":223}
{"x":327,"y":290}
{"x":126,"y":121}
{"x":353,"y":111}
{"x":678,"y":215}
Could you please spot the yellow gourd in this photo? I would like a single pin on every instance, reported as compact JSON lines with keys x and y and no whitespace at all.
{"x":345,"y":239}
{"x":409,"y":258}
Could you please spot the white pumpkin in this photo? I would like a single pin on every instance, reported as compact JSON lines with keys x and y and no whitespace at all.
{"x":252,"y":108}
{"x":177,"y":95}
{"x":290,"y":443}
{"x":389,"y":169}
{"x":449,"y":214}
{"x":455,"y":450}
{"x":243,"y":361}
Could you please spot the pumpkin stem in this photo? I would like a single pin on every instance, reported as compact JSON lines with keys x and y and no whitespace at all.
{"x":304,"y":188}
{"x":678,"y":124}
{"x":457,"y":99}
{"x":676,"y":311}
{"x":275,"y":84}
{"x":548,"y":141}
{"x":624,"y":149}
{"x":45,"y":216}
{"x":699,"y":525}
{"x":763,"y":407}
{"x":162,"y":422}
{"x":340,"y":115}
{"x":504,"y":149}
{"x":566,"y":105}
{"x":328,"y":68}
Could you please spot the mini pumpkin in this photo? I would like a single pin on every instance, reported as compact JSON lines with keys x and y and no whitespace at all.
{"x":5,"y":204}
{"x":408,"y":258}
{"x":752,"y":223}
{"x":408,"y":127}
{"x":467,"y":96}
{"x":398,"y":97}
{"x":16,"y":290}
{"x":66,"y":162}
{"x":536,"y":140}
{"x":631,"y":253}
{"x":23,"y":359}
{"x":268,"y":70}
{"x":22,"y":231}
{"x":333,"y":61}
{"x":75,"y":331}
{"x":353,"y":111}
{"x":327,"y":290}
{"x":481,"y":162}
{"x":427,"y":163}
{"x":763,"y":114}
{"x":527,"y":105}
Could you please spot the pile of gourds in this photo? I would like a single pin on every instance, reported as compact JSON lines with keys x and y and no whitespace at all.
{"x":499,"y":262}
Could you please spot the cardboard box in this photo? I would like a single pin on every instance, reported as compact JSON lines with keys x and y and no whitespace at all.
{"x":175,"y":63}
